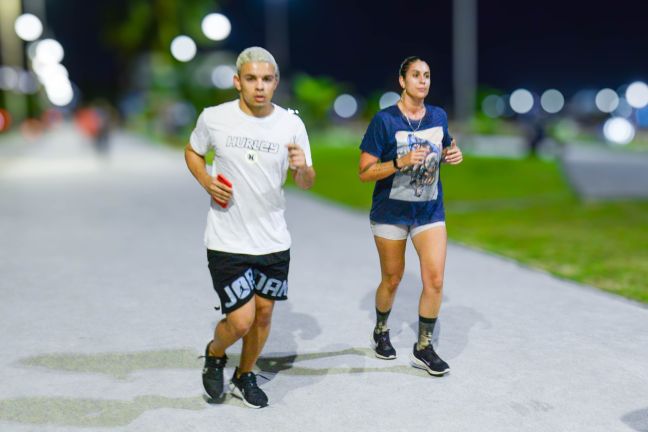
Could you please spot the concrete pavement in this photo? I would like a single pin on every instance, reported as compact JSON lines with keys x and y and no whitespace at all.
{"x":599,"y":173}
{"x":595,"y":171}
{"x":107,"y":303}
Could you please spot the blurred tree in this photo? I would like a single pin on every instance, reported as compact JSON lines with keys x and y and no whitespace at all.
{"x":314,"y":97}
{"x":162,"y":89}
{"x":151,"y":25}
{"x":480,"y":123}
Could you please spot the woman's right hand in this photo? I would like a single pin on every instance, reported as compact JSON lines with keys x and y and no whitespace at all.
{"x":414,"y":157}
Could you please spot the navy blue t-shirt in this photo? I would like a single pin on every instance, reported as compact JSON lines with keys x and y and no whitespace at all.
{"x":414,"y":195}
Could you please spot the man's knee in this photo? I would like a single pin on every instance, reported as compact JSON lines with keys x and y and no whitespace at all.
{"x":263,"y":315}
{"x":240,"y":324}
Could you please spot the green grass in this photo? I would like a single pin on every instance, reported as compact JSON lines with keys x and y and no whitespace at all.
{"x":522,"y":209}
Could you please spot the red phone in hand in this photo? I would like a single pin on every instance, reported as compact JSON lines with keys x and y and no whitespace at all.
{"x":227,"y":183}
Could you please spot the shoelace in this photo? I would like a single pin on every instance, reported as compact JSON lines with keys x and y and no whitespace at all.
{"x":383,"y":338}
{"x":430,"y":353}
{"x":248,"y":381}
{"x":218,"y":362}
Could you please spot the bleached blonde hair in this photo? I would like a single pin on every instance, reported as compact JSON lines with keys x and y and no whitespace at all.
{"x":256,"y":54}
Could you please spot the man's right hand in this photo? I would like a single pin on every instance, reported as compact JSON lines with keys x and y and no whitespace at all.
{"x":218,"y":190}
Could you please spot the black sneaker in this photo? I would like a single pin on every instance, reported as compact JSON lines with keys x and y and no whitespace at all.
{"x":429,"y":361}
{"x":212,"y":374}
{"x":245,"y":387}
{"x":382,"y":346}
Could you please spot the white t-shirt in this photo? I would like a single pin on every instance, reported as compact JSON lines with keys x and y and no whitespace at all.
{"x":251,"y":153}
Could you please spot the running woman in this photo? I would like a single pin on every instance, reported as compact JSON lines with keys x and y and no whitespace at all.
{"x":402,"y":151}
{"x":255,"y":143}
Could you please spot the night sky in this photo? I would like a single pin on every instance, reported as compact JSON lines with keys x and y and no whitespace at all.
{"x":562,"y":44}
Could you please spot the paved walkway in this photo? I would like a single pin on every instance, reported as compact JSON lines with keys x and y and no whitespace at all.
{"x":594,"y":171}
{"x":600,"y":173}
{"x":106,"y":304}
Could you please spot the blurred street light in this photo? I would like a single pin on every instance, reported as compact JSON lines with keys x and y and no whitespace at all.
{"x":345,"y":106}
{"x":607,"y":100}
{"x":48,"y":73}
{"x":183,"y":48}
{"x":216,"y":26}
{"x":8,"y":78}
{"x":552,"y":101}
{"x":388,"y":99}
{"x":222,"y":76}
{"x":49,"y":51}
{"x":493,"y":106}
{"x":28,"y":27}
{"x":637,"y":94}
{"x":521,"y":101}
{"x":59,"y":91}
{"x":618,"y":130}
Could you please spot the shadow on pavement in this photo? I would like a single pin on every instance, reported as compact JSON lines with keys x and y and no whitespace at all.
{"x":85,"y":412}
{"x":637,"y":420}
{"x":456,"y":321}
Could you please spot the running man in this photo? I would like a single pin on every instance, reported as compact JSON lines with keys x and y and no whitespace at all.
{"x":255,"y":143}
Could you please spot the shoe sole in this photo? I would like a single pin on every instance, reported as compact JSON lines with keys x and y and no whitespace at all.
{"x":382,"y":357}
{"x":421,"y":365}
{"x":237,"y":393}
{"x":218,"y":398}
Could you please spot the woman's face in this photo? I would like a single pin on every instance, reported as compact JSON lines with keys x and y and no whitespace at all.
{"x":417,"y":80}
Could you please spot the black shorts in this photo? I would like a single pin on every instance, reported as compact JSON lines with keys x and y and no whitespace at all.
{"x":238,"y":277}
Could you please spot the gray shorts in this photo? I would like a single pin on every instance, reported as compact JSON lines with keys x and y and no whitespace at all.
{"x":400,"y":232}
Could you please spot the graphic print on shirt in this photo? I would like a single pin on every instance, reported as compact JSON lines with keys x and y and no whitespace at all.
{"x":418,"y":182}
{"x":251,"y":156}
{"x":252,"y":144}
{"x":251,"y":149}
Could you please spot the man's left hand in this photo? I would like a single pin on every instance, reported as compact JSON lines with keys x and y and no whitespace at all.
{"x":296,"y":156}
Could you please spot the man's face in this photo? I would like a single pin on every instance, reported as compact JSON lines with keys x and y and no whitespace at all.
{"x":256,"y":82}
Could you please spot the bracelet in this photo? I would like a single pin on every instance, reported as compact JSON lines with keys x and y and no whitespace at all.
{"x":395,"y":162}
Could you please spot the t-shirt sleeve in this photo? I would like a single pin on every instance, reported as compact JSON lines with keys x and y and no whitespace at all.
{"x":447,"y":138}
{"x":374,"y":138}
{"x":200,"y":139}
{"x":302,"y":140}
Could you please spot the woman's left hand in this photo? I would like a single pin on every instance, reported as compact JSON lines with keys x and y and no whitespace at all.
{"x":452,"y":154}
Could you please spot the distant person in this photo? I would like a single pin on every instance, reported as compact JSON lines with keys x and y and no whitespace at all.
{"x":95,"y":121}
{"x":102,"y":139}
{"x":401,"y":151}
{"x":536,"y":134}
{"x":248,"y":244}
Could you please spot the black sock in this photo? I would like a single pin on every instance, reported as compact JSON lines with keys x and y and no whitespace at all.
{"x":381,"y":321}
{"x":426,"y":329}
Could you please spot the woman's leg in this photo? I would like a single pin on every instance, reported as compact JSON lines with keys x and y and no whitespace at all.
{"x":392,"y":266}
{"x":431,"y":247}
